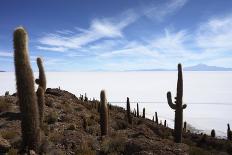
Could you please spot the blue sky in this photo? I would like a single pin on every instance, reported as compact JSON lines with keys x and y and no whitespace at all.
{"x":91,"y":35}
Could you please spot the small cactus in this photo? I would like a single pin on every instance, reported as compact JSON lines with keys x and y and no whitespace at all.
{"x":104,"y":114}
{"x":86,"y":98}
{"x":7,"y":93}
{"x":156,"y":118}
{"x":129,"y":118}
{"x":144,"y":113}
{"x":41,"y":102}
{"x":165,"y":123}
{"x":41,"y":81}
{"x":153,"y":119}
{"x":178,"y":107}
{"x":185,"y":127}
{"x":229,"y":133}
{"x":26,"y":92}
{"x":137,"y":109}
{"x":213,"y":134}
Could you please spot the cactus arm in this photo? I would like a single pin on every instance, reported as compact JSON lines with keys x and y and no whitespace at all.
{"x":184,"y":106}
{"x":170,"y":103}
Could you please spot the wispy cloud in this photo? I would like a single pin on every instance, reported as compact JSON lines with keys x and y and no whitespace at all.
{"x":105,"y":28}
{"x":216,"y":34}
{"x":99,"y":29}
{"x":161,"y":11}
{"x":6,"y":54}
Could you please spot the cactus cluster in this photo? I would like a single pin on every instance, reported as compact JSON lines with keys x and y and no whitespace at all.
{"x":178,"y":107}
{"x":26,"y":92}
{"x":104,"y":114}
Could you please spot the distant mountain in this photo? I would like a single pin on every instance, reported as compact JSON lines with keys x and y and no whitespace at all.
{"x":2,"y":71}
{"x":203,"y":67}
{"x":199,"y":67}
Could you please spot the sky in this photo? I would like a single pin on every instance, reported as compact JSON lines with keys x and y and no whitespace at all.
{"x":110,"y":35}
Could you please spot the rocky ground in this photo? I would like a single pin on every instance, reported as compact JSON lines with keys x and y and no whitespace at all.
{"x":72,"y":127}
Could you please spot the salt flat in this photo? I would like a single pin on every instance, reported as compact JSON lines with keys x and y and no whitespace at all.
{"x":207,"y":94}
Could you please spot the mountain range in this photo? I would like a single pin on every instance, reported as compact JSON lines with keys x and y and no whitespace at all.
{"x":198,"y":67}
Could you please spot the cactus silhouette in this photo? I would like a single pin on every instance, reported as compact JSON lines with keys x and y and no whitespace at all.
{"x":178,"y":107}
{"x":165,"y":123}
{"x":104,"y":114}
{"x":144,"y":113}
{"x":156,"y":118}
{"x":41,"y":81}
{"x":26,"y":92}
{"x":185,"y":127}
{"x":137,"y":109}
{"x":40,"y":100}
{"x":129,"y":118}
{"x":213,"y":134}
{"x":229,"y":133}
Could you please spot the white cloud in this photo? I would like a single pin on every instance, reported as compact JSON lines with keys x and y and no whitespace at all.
{"x":216,"y":34}
{"x":99,"y":28}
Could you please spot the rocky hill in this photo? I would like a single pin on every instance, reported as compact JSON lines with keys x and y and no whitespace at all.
{"x":71,"y":127}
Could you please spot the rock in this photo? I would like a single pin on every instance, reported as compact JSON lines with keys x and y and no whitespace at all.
{"x":4,"y":145}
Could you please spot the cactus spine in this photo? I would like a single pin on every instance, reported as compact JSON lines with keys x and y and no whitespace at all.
{"x":137,"y":109}
{"x":26,"y":92}
{"x":156,"y":118}
{"x":103,"y":114}
{"x":144,"y":113}
{"x":41,"y":102}
{"x":178,"y":107}
{"x":128,"y":111}
{"x":41,"y":81}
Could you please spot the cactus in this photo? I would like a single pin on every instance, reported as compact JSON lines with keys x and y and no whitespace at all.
{"x":213,"y":134}
{"x":41,"y":102}
{"x":86,"y":98}
{"x":185,"y":127}
{"x":153,"y":119}
{"x":103,"y":114}
{"x":165,"y":123}
{"x":156,"y":118}
{"x":229,"y":133}
{"x":178,"y":107}
{"x":129,"y":118}
{"x":26,"y":92}
{"x":41,"y":81}
{"x":137,"y":109}
{"x":144,"y":113}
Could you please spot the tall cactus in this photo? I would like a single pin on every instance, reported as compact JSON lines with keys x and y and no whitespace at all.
{"x":137,"y":109}
{"x":178,"y":107}
{"x":128,"y":111}
{"x":26,"y":92}
{"x":41,"y":102}
{"x":104,"y":114}
{"x":41,"y":81}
